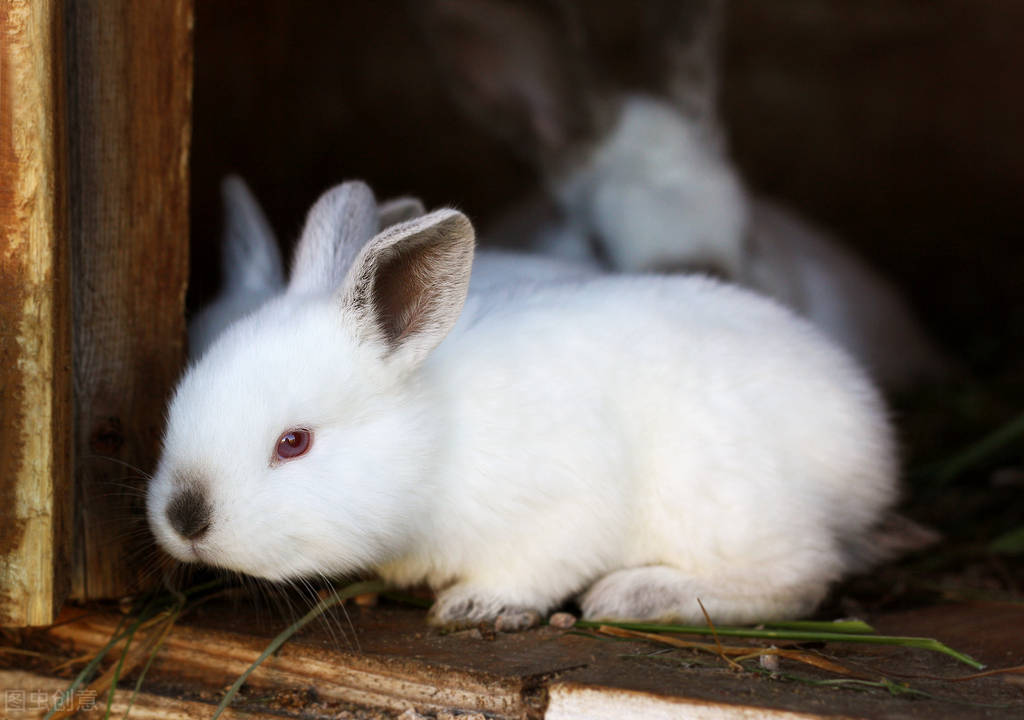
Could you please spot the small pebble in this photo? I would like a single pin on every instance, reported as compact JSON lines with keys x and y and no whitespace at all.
{"x":562,"y":620}
{"x":770,"y":662}
{"x":366,"y":599}
{"x":411,"y":714}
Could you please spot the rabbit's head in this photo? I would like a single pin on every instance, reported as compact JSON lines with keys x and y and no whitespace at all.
{"x":296,"y":444}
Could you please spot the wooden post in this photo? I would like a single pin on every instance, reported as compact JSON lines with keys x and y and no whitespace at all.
{"x":130,"y":103}
{"x":106,"y":145}
{"x":35,"y":315}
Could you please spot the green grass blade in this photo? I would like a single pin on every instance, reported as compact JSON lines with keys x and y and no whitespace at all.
{"x":149,"y":609}
{"x":209,"y":585}
{"x":372,"y":586}
{"x":87,"y":671}
{"x":117,"y":669}
{"x":1011,"y":543}
{"x":945,"y":471}
{"x":145,"y":668}
{"x":853,"y":627}
{"x":803,"y":635}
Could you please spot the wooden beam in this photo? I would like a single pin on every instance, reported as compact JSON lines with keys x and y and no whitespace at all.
{"x":130,"y":102}
{"x":576,"y":701}
{"x":35,"y":336}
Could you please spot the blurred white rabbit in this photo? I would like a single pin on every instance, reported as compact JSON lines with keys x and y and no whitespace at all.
{"x":645,"y":183}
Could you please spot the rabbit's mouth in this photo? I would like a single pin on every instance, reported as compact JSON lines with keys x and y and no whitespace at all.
{"x":198,"y":555}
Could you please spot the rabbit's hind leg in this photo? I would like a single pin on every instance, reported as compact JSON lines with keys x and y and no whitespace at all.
{"x":660,"y":593}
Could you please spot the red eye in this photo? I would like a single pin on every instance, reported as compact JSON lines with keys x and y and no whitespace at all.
{"x":293,"y":443}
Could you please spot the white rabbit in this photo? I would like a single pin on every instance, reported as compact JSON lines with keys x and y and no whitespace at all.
{"x":647,"y":181}
{"x":640,"y":442}
{"x":251,"y":267}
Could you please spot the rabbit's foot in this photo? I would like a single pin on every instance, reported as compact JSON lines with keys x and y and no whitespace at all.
{"x":659,"y":593}
{"x":462,"y":606}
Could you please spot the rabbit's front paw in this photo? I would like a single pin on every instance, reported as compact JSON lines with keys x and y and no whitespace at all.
{"x":460,"y":607}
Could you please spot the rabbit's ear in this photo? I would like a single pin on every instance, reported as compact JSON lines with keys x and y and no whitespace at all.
{"x":399,"y":209}
{"x":514,"y":68}
{"x":250,"y":255}
{"x":338,"y":226}
{"x":408,"y":285}
{"x":686,"y":35}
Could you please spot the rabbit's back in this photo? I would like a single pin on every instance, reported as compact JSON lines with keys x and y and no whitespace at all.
{"x":695,"y":421}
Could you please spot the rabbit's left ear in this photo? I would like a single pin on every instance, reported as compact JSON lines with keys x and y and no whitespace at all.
{"x":408,"y":285}
{"x":338,"y":226}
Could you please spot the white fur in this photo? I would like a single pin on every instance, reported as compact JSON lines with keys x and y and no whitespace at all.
{"x":656,"y":191}
{"x":806,"y":268}
{"x":675,"y":436}
{"x":494,"y":269}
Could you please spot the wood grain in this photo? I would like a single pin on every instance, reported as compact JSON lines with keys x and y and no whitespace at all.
{"x":130,"y":100}
{"x":33,"y":689}
{"x":35,"y":336}
{"x":387,"y":658}
{"x":213,"y":659}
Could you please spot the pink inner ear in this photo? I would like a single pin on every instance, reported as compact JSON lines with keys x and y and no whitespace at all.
{"x":412,"y":281}
{"x":404,"y":292}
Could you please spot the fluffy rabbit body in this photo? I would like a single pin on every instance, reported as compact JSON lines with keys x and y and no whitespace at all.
{"x":640,"y":442}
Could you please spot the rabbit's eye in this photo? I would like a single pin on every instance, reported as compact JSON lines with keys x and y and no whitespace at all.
{"x":293,"y":443}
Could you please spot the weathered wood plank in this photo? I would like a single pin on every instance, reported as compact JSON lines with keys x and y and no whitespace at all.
{"x":129,"y":97}
{"x":573,"y":701}
{"x":214,"y":659}
{"x":386,"y":658}
{"x":35,"y":336}
{"x":27,"y":694}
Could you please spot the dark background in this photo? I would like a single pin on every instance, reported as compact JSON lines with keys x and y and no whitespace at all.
{"x":896,"y":123}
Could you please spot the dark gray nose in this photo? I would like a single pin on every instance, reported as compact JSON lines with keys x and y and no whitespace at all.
{"x":189,"y":513}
